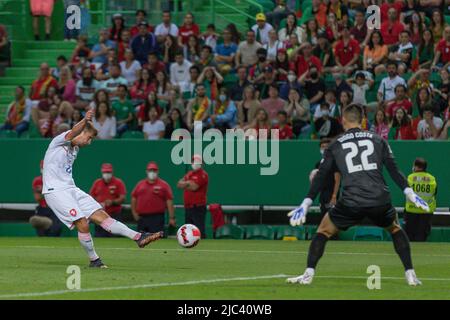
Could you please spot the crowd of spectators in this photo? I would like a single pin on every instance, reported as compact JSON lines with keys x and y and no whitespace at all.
{"x":295,"y":75}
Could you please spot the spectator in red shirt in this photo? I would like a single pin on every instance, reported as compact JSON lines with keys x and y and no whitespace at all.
{"x":110,"y":192}
{"x":123,"y":44}
{"x":284,"y":129}
{"x":402,"y":126}
{"x":149,"y":201}
{"x":195,"y":186}
{"x":400,"y":101}
{"x":188,"y":29}
{"x":118,"y":26}
{"x":44,"y":220}
{"x":153,"y":64}
{"x":142,"y":87}
{"x":346,"y":53}
{"x":391,"y":28}
{"x":4,"y":45}
{"x":306,"y":59}
{"x":141,"y":16}
{"x":442,"y":52}
{"x":40,"y":86}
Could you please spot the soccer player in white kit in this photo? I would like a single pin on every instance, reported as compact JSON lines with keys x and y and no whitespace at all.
{"x":71,"y":205}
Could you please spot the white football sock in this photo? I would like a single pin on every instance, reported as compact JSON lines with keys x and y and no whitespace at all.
{"x":115,"y":227}
{"x":88,"y":245}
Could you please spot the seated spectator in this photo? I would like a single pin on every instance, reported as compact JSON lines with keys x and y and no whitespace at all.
{"x":4,"y":45}
{"x":122,"y":45}
{"x":256,"y":72}
{"x":313,"y":86}
{"x":235,"y":34}
{"x":292,"y":83}
{"x":191,"y":50}
{"x":359,"y":30}
{"x":279,"y":13}
{"x":188,"y":90}
{"x":424,"y":100}
{"x":211,"y":80}
{"x":144,"y":43}
{"x":141,"y":16}
{"x":272,"y":46}
{"x":445,"y":133}
{"x":166,"y":28}
{"x":130,"y":67}
{"x":402,"y":52}
{"x":104,"y":122}
{"x":341,"y":85}
{"x":99,"y":51}
{"x":297,"y":109}
{"x":100,"y":95}
{"x":169,"y":49}
{"x":326,"y":126}
{"x":118,"y":26}
{"x":429,"y":128}
{"x":225,"y":112}
{"x":268,"y":79}
{"x":360,"y":85}
{"x":262,"y":29}
{"x":163,"y":87}
{"x":346,"y":52}
{"x":209,"y":38}
{"x":324,"y":52}
{"x":401,"y":100}
{"x":81,"y":51}
{"x":76,"y":117}
{"x":114,"y":81}
{"x":85,"y":89}
{"x":179,"y":71}
{"x":143,"y":110}
{"x":237,"y":89}
{"x":48,"y":127}
{"x":380,"y":124}
{"x":189,"y":28}
{"x":386,"y":91}
{"x":442,"y":50}
{"x":333,"y":28}
{"x":248,"y":106}
{"x":40,"y":86}
{"x":375,"y":53}
{"x":284,"y":129}
{"x":18,"y":113}
{"x":305,"y":60}
{"x":153,"y":64}
{"x":345,"y":99}
{"x":103,"y":72}
{"x":443,"y":91}
{"x":340,"y":10}
{"x":312,"y":32}
{"x":41,"y":109}
{"x":206,"y":58}
{"x":391,"y":28}
{"x":154,"y":128}
{"x":437,"y":24}
{"x":225,"y":53}
{"x":67,"y":86}
{"x":416,"y":27}
{"x":174,"y":122}
{"x":318,"y":10}
{"x":142,"y":87}
{"x":292,"y":47}
{"x":123,"y":110}
{"x":426,"y":49}
{"x":176,"y":101}
{"x":282,"y":65}
{"x":273,"y":104}
{"x":292,"y":28}
{"x":198,"y":108}
{"x":401,"y":124}
{"x":61,"y":62}
{"x":246,"y":55}
{"x":259,"y":128}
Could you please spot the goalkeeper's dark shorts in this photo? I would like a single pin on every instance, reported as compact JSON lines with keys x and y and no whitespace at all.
{"x":344,"y":217}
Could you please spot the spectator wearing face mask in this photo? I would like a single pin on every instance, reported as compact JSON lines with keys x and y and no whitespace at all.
{"x":149,"y":201}
{"x":195,"y":186}
{"x":110,"y":192}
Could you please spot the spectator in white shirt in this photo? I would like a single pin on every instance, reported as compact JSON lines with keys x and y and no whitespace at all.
{"x":113,"y":82}
{"x":85,"y":89}
{"x":104,"y":121}
{"x":430,"y":126}
{"x":386,"y":91}
{"x":165,"y":28}
{"x":262,"y":29}
{"x":154,"y":128}
{"x":130,"y":67}
{"x":179,"y":70}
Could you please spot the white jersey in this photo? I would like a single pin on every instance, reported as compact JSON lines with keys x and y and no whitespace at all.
{"x":58,"y":162}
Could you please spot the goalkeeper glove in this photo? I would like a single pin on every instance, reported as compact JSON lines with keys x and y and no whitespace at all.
{"x":298,"y":215}
{"x":414,"y":198}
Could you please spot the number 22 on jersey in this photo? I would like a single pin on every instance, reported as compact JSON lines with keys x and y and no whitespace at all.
{"x":355,"y":151}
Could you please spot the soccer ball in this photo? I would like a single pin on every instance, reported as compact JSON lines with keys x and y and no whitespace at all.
{"x":188,"y":236}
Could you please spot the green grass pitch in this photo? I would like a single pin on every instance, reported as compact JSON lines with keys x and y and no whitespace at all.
{"x":35,"y":268}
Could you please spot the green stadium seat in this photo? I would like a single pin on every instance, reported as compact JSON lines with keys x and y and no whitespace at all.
{"x":310,"y":231}
{"x":8,"y":134}
{"x":289,"y":231}
{"x":259,"y":232}
{"x":133,"y":135}
{"x":348,"y":234}
{"x":369,"y":234}
{"x":229,"y":231}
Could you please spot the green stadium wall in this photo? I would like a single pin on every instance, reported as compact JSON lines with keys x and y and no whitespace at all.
{"x":229,"y":184}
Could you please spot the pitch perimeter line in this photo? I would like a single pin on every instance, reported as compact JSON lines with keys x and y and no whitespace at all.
{"x":193,"y":282}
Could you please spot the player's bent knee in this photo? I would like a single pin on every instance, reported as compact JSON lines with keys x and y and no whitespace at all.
{"x":393,"y":228}
{"x":99,"y":216}
{"x":82,"y":225}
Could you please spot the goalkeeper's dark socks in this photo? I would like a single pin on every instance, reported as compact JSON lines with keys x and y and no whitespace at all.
{"x":316,"y":249}
{"x":401,"y":245}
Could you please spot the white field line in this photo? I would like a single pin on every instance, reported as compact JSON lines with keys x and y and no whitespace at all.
{"x":329,"y":252}
{"x":186,"y":283}
{"x":140,"y":286}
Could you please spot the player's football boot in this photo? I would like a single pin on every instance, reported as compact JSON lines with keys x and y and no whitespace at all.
{"x":147,"y":238}
{"x":411,"y":278}
{"x":98,"y":264}
{"x":305,"y":278}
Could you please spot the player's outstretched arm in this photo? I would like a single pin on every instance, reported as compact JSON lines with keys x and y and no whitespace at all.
{"x":79,"y":127}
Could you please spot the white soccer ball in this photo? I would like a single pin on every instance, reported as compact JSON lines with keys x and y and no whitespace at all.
{"x":188,"y":236}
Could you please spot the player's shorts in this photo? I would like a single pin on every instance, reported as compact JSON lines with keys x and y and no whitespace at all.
{"x":344,"y":217}
{"x":71,"y":205}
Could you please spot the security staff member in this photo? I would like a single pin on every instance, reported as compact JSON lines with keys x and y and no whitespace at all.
{"x":417,"y":221}
{"x":149,"y":201}
{"x":110,"y":192}
{"x":195,"y":186}
{"x":44,"y":220}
